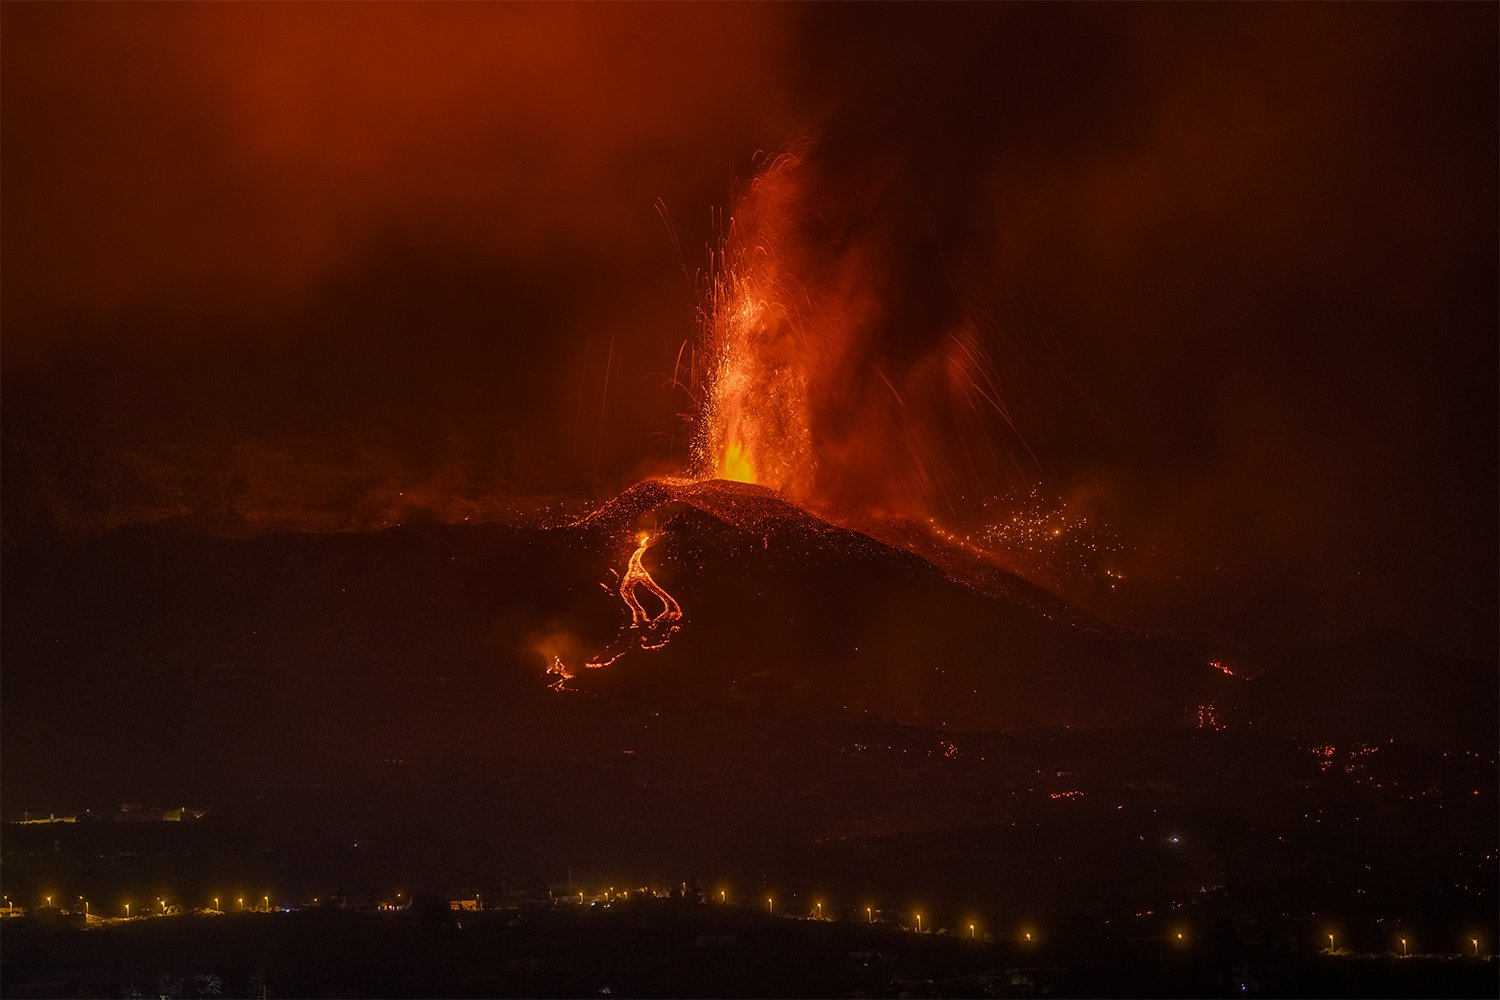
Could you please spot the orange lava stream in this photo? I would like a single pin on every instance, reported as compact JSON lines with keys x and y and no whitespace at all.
{"x":636,"y":575}
{"x":645,"y":630}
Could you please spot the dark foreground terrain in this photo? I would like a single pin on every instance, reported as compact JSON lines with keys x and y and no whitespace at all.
{"x":680,"y":948}
{"x":838,"y":727}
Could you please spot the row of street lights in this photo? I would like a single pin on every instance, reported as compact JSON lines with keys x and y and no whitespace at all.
{"x":1026,"y":935}
{"x":869,"y":915}
{"x":1473,"y":943}
{"x":723,"y":898}
{"x":129,"y":906}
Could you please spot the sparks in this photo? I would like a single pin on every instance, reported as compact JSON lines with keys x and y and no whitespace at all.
{"x":791,"y":385}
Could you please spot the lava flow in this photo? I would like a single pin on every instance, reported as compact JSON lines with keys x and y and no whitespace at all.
{"x":645,"y":630}
{"x":655,"y":630}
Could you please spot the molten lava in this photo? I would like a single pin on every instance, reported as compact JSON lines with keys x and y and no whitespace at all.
{"x":655,"y":629}
{"x":645,"y":630}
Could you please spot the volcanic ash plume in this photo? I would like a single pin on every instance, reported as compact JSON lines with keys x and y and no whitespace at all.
{"x":819,"y":380}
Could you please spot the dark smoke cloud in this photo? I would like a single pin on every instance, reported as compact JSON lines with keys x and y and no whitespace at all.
{"x":1235,"y":265}
{"x":1239,"y":267}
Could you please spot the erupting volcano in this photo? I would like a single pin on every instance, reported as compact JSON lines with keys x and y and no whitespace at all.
{"x":811,"y":459}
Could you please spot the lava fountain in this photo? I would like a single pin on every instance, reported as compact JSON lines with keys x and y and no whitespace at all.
{"x":829,"y":375}
{"x":764,"y":339}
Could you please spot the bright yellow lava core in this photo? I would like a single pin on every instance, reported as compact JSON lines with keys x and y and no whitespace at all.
{"x":736,"y":465}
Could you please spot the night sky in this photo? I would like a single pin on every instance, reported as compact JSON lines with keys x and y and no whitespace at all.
{"x":330,"y":266}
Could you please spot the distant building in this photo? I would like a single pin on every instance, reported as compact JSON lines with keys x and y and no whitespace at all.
{"x":30,"y":820}
{"x":132,"y":812}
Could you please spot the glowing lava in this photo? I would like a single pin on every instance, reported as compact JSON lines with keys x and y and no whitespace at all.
{"x":736,"y":464}
{"x":764,"y":341}
{"x":645,"y":630}
{"x":651,"y":626}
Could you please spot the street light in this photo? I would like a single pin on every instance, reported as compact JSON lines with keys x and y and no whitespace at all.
{"x":820,"y":910}
{"x":268,"y":903}
{"x":1028,"y":937}
{"x":1403,"y":947}
{"x":870,"y":914}
{"x":49,"y":902}
{"x":1330,"y":944}
{"x":216,"y":902}
{"x":242,"y":902}
{"x":770,"y":906}
{"x":1475,"y":943}
{"x":723,"y":896}
{"x":127,"y":911}
{"x":919,"y":923}
{"x":971,"y":932}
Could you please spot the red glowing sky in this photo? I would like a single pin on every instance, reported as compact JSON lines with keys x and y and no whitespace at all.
{"x":1237,"y":266}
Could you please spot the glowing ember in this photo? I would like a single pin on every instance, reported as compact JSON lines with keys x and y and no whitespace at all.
{"x":560,"y":669}
{"x":645,"y":630}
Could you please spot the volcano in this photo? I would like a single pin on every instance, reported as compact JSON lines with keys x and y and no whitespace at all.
{"x":788,"y":698}
{"x":245,"y":655}
{"x":782,"y":603}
